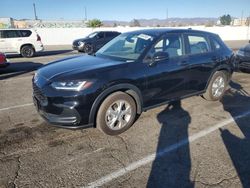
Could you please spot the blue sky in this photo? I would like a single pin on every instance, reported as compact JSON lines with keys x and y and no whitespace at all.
{"x":125,"y":10}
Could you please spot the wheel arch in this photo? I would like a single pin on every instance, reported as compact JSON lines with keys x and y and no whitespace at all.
{"x":130,"y":89}
{"x":220,"y":68}
{"x":26,"y":44}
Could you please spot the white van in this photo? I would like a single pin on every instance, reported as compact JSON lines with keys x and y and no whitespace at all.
{"x":22,"y":41}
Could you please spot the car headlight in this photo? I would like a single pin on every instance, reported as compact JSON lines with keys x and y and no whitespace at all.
{"x":35,"y":78}
{"x":80,"y":43}
{"x":70,"y":85}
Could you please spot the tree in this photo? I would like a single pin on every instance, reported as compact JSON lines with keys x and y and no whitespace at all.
{"x":225,"y":19}
{"x":94,"y":23}
{"x":135,"y":23}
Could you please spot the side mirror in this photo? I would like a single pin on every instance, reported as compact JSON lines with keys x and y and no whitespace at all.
{"x":160,"y":56}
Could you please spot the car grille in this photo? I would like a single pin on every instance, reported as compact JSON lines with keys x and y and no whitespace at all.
{"x":39,"y":95}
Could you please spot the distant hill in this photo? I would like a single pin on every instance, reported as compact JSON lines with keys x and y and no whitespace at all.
{"x":164,"y":22}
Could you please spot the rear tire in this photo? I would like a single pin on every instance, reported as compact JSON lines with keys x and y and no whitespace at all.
{"x":116,"y":114}
{"x":217,"y":86}
{"x":27,"y":51}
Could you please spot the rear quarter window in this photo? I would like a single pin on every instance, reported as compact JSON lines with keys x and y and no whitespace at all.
{"x":216,"y":43}
{"x":25,"y":33}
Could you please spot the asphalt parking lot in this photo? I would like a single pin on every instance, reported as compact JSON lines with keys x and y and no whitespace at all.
{"x":191,"y":143}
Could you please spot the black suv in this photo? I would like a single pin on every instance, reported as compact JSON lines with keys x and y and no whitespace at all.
{"x":94,"y":41}
{"x":132,"y":73}
{"x":242,"y":60}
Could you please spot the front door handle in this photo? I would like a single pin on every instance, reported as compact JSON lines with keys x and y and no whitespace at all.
{"x":2,"y":40}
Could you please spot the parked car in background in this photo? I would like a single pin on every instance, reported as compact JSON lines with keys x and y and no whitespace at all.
{"x":242,"y":58}
{"x":132,"y":73}
{"x":94,"y":41}
{"x":20,"y":41}
{"x":3,"y":60}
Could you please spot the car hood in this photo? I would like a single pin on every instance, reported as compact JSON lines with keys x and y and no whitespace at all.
{"x":75,"y":64}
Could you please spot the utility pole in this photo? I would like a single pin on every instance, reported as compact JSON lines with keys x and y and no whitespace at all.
{"x":167,"y":16}
{"x":34,"y":6}
{"x":248,"y":25}
{"x":241,"y":20}
{"x":85,"y":14}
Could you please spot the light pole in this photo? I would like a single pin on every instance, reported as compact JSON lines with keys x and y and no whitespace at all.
{"x":85,"y":12}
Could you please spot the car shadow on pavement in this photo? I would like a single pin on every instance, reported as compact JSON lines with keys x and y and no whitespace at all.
{"x":52,"y":52}
{"x":43,"y":53}
{"x":172,"y":170}
{"x":16,"y":69}
{"x":237,"y":101}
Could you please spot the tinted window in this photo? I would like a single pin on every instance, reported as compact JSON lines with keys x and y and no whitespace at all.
{"x":11,"y":34}
{"x":171,"y":43}
{"x":25,"y":33}
{"x":1,"y":34}
{"x":100,"y":35}
{"x":111,"y":34}
{"x":198,"y":44}
{"x":217,"y":45}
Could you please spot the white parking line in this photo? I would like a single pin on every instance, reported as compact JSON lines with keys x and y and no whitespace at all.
{"x":17,"y":106}
{"x":152,"y":157}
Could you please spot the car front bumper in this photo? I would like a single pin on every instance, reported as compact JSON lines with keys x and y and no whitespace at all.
{"x":78,"y":47}
{"x":67,"y":113}
{"x":242,"y":62}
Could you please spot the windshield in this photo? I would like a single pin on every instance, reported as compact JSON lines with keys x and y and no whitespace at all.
{"x":127,"y":46}
{"x":92,"y":35}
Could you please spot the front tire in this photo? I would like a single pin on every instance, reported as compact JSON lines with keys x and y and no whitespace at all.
{"x":89,"y":49}
{"x":27,"y":51}
{"x":116,"y":114}
{"x":217,"y":86}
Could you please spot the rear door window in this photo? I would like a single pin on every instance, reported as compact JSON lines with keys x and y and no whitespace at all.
{"x":1,"y":34}
{"x":198,"y":44}
{"x":11,"y":34}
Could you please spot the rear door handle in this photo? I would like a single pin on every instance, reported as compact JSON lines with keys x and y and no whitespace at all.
{"x":2,"y":40}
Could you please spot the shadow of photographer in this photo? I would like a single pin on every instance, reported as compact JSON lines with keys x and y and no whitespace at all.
{"x":237,"y":102}
{"x":172,"y":170}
